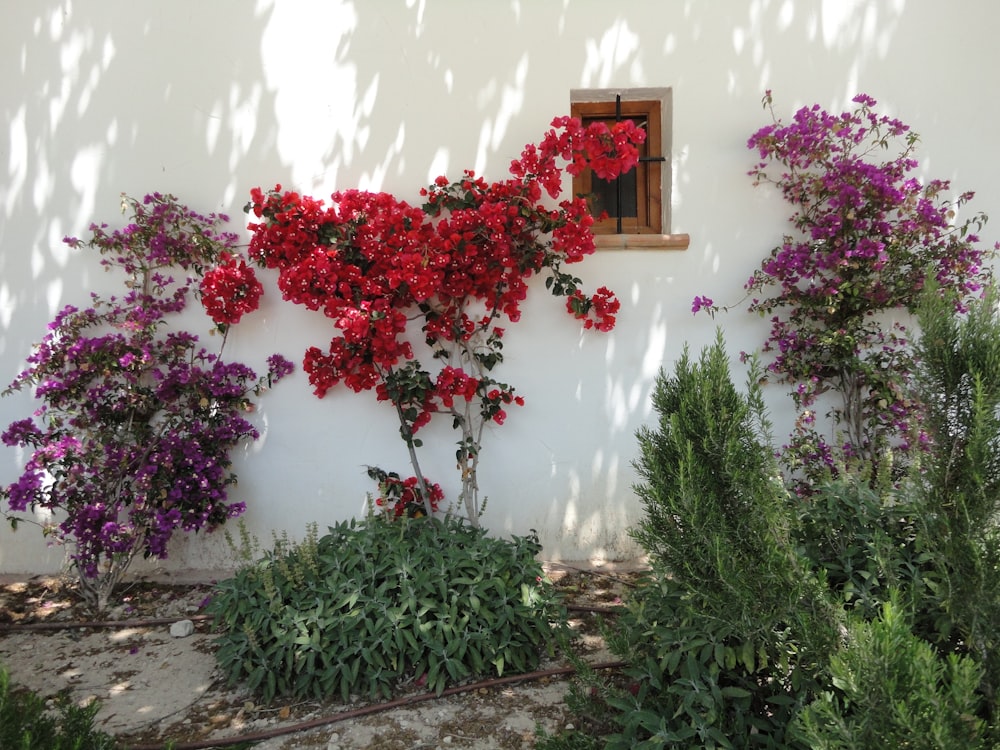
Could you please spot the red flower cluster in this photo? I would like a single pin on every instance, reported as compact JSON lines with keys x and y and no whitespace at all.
{"x":452,"y":382}
{"x":493,"y":403}
{"x":456,"y":265}
{"x":230,"y":290}
{"x":402,"y":496}
{"x":370,"y":259}
{"x":597,"y":311}
{"x":608,"y":151}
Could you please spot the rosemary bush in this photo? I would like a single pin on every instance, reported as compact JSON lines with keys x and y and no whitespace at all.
{"x":893,"y":690}
{"x":730,"y":632}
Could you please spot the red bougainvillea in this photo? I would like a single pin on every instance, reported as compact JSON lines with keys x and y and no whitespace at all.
{"x":230,"y":290}
{"x":455,"y":266}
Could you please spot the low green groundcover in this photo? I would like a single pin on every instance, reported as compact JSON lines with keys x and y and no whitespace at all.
{"x":27,"y":724}
{"x":373,"y":603}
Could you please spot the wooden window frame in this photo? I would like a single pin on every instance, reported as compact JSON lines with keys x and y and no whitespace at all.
{"x":649,"y":178}
{"x":659,"y":143}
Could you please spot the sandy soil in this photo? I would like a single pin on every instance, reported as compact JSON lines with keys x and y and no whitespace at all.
{"x":154,"y":687}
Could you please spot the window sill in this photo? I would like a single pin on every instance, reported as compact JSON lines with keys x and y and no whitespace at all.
{"x":642,"y":241}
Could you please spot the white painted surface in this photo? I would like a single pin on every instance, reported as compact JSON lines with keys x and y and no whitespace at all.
{"x":208,"y":99}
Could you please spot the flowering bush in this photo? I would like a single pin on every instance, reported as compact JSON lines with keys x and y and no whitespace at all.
{"x":455,"y":267}
{"x":134,"y":434}
{"x":230,"y":290}
{"x":399,"y":496}
{"x":867,"y":237}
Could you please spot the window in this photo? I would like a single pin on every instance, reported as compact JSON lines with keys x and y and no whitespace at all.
{"x":638,"y":203}
{"x":633,"y":203}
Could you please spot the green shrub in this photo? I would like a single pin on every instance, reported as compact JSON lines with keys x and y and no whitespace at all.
{"x":891,"y":690}
{"x":372,"y":603}
{"x":863,"y":616}
{"x":959,"y":385}
{"x":716,"y":513}
{"x":693,"y":682}
{"x":26,"y":724}
{"x":863,"y":540}
{"x":729,"y":634}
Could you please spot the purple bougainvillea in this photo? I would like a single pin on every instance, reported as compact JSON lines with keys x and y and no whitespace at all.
{"x":137,"y":422}
{"x":867,"y":237}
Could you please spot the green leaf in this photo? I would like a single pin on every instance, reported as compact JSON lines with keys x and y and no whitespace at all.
{"x":350,"y":600}
{"x":747,"y":656}
{"x":736,"y":692}
{"x":720,"y":654}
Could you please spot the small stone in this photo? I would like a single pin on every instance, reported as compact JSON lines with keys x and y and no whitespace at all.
{"x":570,"y":727}
{"x":447,"y":740}
{"x":182,"y":629}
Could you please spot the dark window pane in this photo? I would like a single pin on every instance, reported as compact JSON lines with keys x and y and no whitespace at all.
{"x":639,"y":192}
{"x":605,"y":196}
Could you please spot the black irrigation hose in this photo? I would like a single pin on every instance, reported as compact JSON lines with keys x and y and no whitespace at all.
{"x":98,"y":624}
{"x":372,"y":709}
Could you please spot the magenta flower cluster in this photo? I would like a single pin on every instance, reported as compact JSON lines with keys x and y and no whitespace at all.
{"x":137,"y":422}
{"x":866,"y":238}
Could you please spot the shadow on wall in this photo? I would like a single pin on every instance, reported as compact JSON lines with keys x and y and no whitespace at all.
{"x":719,"y":61}
{"x":204,"y":101}
{"x":207,"y":100}
{"x":100,"y":99}
{"x":112,"y":99}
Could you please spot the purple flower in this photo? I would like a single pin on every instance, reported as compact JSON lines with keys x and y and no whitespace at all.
{"x":702,"y":303}
{"x":138,"y":422}
{"x":25,"y":490}
{"x":864,"y":233}
{"x":21,"y":432}
{"x":278,"y":367}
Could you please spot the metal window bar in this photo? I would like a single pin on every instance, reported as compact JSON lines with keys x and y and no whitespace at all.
{"x":618,"y":182}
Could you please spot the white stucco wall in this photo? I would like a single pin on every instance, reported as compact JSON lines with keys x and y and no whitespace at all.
{"x":208,"y":99}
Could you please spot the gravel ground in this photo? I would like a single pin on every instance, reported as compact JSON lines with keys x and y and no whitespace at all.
{"x":154,"y":687}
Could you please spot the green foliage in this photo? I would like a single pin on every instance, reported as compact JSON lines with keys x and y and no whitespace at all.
{"x":862,"y":616}
{"x":568,"y":740}
{"x":727,"y":636}
{"x":716,"y":509}
{"x":959,"y":379}
{"x":891,"y":690}
{"x":26,"y":724}
{"x":371,"y":604}
{"x":695,"y":682}
{"x":863,"y":541}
